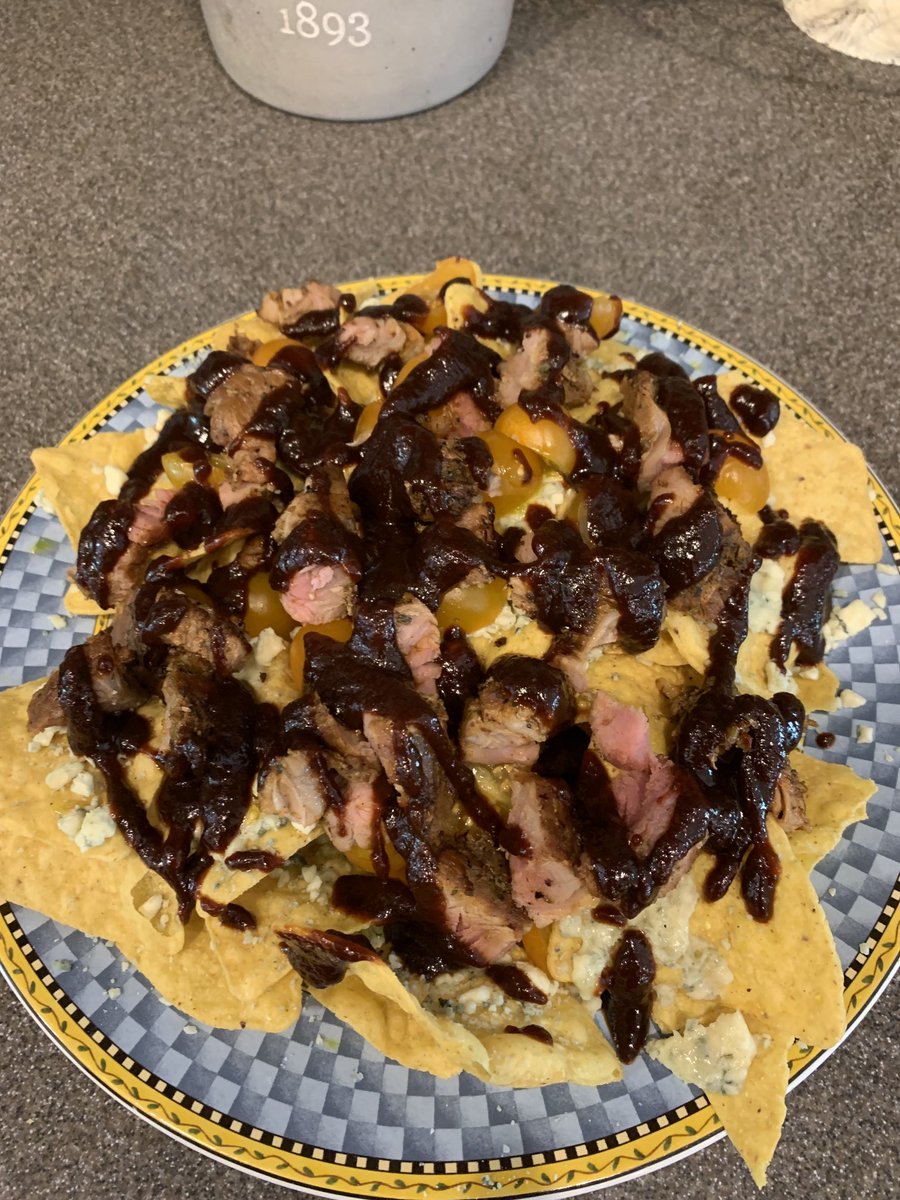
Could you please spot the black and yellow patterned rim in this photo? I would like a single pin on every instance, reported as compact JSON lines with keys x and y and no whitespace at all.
{"x":588,"y":1165}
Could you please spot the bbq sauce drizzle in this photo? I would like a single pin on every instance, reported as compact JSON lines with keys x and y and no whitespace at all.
{"x":410,"y":493}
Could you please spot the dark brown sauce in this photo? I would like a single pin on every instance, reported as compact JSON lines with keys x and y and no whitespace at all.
{"x":235,"y":916}
{"x":607,"y":915}
{"x":254,"y":860}
{"x":806,"y":603}
{"x":459,"y":364}
{"x":825,"y":740}
{"x":321,"y":956}
{"x":104,"y":540}
{"x":777,"y":538}
{"x":536,"y":1032}
{"x":688,"y":546}
{"x":757,"y":407}
{"x":513,"y":980}
{"x":377,"y":901}
{"x":628,"y":995}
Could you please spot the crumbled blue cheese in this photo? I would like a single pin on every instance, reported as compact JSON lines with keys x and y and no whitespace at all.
{"x":865,"y":735}
{"x":264,"y":649}
{"x":62,"y":775}
{"x":151,"y":907}
{"x":766,"y":589}
{"x":41,"y":502}
{"x":847,"y":621}
{"x":88,"y":827}
{"x":83,"y":785}
{"x":44,"y":737}
{"x":553,"y":494}
{"x":851,"y":699}
{"x":57,"y":621}
{"x":666,"y":925}
{"x":714,"y":1057}
{"x":779,"y":681}
{"x":115,"y":479}
{"x":313,"y":881}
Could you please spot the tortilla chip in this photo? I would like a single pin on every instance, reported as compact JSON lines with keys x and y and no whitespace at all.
{"x":169,"y":391}
{"x":75,"y":602}
{"x":784,"y":992}
{"x":754,"y":1117}
{"x":644,"y":685}
{"x":58,"y":467}
{"x":530,"y":640}
{"x":758,"y":674}
{"x":690,"y":637}
{"x":249,"y":326}
{"x":223,"y":884}
{"x":372,"y":1000}
{"x":579,"y":1054}
{"x":836,"y":797}
{"x":826,"y":478}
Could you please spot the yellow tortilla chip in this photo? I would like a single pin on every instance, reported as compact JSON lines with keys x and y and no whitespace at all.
{"x":758,"y":674}
{"x":644,"y":685}
{"x":373,"y":1001}
{"x":690,"y":637}
{"x":250,"y":326}
{"x":836,"y":797}
{"x":579,"y":1054}
{"x":823,"y":477}
{"x":785,"y":992}
{"x":75,"y":602}
{"x":170,"y":391}
{"x":75,"y":478}
{"x":754,"y":1117}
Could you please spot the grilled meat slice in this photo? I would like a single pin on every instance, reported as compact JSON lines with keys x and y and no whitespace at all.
{"x":473,"y":897}
{"x":285,"y":307}
{"x":706,"y":598}
{"x":789,"y":802}
{"x":521,"y":703}
{"x":368,"y":341}
{"x":160,"y":615}
{"x":113,"y":685}
{"x":234,"y":402}
{"x":319,"y":558}
{"x":529,"y":366}
{"x":419,"y":641}
{"x":548,"y":881}
{"x":658,"y":448}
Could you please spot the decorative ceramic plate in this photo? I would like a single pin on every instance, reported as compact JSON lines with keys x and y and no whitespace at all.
{"x":315,"y":1106}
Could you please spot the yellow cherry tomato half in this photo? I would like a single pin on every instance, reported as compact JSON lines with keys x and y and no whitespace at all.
{"x":742,"y":485}
{"x":519,"y":472}
{"x":536,"y":944}
{"x":338,"y":631}
{"x":362,"y":860}
{"x":264,"y":353}
{"x":605,"y":316}
{"x":545,"y":437}
{"x":436,"y":316}
{"x":178,"y":470}
{"x":409,"y":366}
{"x":472,"y":606}
{"x":264,"y":608}
{"x":444,"y":271}
{"x":367,"y":421}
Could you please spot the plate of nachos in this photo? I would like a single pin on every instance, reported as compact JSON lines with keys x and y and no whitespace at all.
{"x":450,"y":727}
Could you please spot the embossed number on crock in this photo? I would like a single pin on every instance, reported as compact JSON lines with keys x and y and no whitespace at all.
{"x":308,"y":23}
